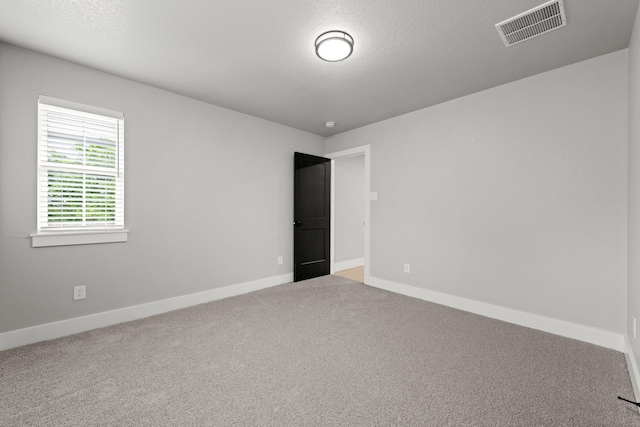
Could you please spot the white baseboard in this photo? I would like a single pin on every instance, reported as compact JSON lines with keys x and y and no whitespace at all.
{"x":63,"y":328}
{"x":588,"y":334}
{"x":76,"y":325}
{"x":632,"y":366}
{"x":343,"y":265}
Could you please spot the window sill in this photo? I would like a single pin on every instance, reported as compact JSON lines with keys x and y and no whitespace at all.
{"x":41,"y":240}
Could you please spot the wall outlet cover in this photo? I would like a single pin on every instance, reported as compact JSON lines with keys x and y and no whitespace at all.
{"x":79,"y":292}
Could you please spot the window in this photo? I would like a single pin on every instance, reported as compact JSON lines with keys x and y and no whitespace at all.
{"x":80,"y":174}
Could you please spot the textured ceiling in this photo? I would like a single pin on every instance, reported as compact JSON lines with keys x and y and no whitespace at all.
{"x":257,"y":56}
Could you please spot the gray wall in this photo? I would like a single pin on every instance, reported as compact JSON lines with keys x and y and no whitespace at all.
{"x":514,"y":196}
{"x":349,"y":208}
{"x":633,"y":291}
{"x":208,"y":196}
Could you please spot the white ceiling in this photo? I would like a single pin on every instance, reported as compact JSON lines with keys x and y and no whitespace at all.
{"x":257,"y":56}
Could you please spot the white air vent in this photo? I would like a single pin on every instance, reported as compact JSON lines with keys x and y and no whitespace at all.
{"x":532,"y":23}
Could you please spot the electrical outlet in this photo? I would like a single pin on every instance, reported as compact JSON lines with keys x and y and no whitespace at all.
{"x":407,"y":268}
{"x":280,"y":260}
{"x":634,"y":327}
{"x":373,"y":195}
{"x":79,"y":292}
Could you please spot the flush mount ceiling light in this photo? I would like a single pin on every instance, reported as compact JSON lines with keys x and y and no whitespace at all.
{"x":334,"y":46}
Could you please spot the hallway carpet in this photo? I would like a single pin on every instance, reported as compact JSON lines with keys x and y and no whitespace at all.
{"x":323,"y":352}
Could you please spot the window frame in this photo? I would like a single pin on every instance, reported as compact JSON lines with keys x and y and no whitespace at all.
{"x":85,"y":233}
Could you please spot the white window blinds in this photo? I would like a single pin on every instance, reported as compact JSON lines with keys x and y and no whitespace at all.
{"x":80,"y":167}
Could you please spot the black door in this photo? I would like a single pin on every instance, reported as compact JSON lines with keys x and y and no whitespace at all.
{"x":311,"y":216}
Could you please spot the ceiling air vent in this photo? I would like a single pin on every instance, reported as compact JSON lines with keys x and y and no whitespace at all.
{"x":532,"y":23}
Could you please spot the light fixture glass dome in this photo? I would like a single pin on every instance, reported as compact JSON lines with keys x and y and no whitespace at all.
{"x":334,"y":46}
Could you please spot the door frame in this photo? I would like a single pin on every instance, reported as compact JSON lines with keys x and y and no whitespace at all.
{"x":351,"y":152}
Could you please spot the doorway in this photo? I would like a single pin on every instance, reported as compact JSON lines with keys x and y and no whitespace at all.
{"x":350,"y":189}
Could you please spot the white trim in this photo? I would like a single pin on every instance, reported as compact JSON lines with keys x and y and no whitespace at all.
{"x":332,"y":218}
{"x":563,"y":328}
{"x":632,"y":366}
{"x":343,"y":265}
{"x":356,"y":151}
{"x":76,"y":325}
{"x":71,"y":105}
{"x":47,"y":239}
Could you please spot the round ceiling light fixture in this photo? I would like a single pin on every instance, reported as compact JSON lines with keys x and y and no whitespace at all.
{"x":334,"y":46}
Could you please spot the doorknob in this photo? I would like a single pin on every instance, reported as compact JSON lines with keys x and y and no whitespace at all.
{"x":297,"y":222}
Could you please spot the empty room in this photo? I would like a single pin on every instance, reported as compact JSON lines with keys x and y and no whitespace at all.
{"x":319,"y":213}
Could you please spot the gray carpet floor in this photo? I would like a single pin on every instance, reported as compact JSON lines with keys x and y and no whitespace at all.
{"x":323,"y":352}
